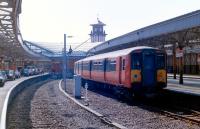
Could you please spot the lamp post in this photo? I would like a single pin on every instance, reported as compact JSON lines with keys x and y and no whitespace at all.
{"x":65,"y":62}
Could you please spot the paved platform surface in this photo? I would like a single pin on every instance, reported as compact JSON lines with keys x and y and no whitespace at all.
{"x":191,"y":84}
{"x":184,"y":76}
{"x":7,"y":86}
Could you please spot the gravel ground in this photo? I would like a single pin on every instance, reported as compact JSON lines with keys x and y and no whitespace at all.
{"x":135,"y":116}
{"x":46,"y":107}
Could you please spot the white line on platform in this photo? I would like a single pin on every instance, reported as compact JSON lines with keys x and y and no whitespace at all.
{"x":89,"y":109}
{"x":4,"y":110}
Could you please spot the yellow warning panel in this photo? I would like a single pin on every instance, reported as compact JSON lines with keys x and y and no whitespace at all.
{"x":136,"y":76}
{"x":161,"y":75}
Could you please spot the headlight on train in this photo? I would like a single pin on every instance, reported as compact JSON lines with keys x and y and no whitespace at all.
{"x":135,"y":76}
{"x":161,"y":76}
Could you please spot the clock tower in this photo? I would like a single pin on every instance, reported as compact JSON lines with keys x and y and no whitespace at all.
{"x":98,"y":33}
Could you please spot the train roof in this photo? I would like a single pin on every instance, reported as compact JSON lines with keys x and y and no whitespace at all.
{"x":115,"y":53}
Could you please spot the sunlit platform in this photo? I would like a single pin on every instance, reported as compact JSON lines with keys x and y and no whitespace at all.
{"x":191,"y":84}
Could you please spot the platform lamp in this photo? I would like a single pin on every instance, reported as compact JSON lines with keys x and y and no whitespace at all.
{"x":65,"y":61}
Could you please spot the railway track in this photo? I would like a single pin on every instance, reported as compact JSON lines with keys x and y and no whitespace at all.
{"x":179,"y":106}
{"x":176,"y":112}
{"x":159,"y":112}
{"x":193,"y":118}
{"x":184,"y":114}
{"x":170,"y":110}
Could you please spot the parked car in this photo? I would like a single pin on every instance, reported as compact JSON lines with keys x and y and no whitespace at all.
{"x":31,"y":70}
{"x":17,"y":74}
{"x":4,"y":74}
{"x":10,"y":74}
{"x":2,"y":79}
{"x":26,"y":72}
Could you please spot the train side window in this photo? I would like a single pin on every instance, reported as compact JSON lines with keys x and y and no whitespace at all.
{"x":94,"y":66}
{"x":90,"y":66}
{"x":81,"y":66}
{"x":85,"y":66}
{"x":76,"y":69}
{"x":113,"y":65}
{"x":110,"y":65}
{"x":123,"y":64}
{"x":97,"y":66}
{"x":100,"y":66}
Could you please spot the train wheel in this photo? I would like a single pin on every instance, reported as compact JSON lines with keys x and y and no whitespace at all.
{"x":138,"y":95}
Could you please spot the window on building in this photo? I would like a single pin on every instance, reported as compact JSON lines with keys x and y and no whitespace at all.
{"x":100,"y":29}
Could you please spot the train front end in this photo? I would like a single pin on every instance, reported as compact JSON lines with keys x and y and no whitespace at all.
{"x":148,"y":70}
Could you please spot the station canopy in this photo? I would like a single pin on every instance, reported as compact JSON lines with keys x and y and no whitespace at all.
{"x":11,"y":41}
{"x":182,"y":31}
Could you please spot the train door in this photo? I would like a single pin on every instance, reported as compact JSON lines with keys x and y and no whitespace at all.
{"x":122,"y":70}
{"x":119,"y":69}
{"x":104,"y":69}
{"x":77,"y":68}
{"x":136,"y":66}
{"x":90,"y":68}
{"x":149,"y":68}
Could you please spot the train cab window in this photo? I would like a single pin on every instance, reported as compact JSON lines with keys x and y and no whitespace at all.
{"x":149,"y":61}
{"x":136,"y":61}
{"x":160,"y":61}
{"x":123,"y":64}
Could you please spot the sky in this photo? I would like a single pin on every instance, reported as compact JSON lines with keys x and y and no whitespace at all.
{"x":46,"y":21}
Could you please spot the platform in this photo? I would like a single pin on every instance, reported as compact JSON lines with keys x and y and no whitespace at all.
{"x":191,"y":84}
{"x":5,"y":89}
{"x":184,"y":76}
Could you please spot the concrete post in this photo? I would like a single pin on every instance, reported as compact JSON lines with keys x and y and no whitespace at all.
{"x":77,"y":88}
{"x":174,"y":60}
{"x":181,"y":67}
{"x":64,"y":63}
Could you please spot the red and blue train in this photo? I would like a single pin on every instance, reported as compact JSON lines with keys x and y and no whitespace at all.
{"x":136,"y":70}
